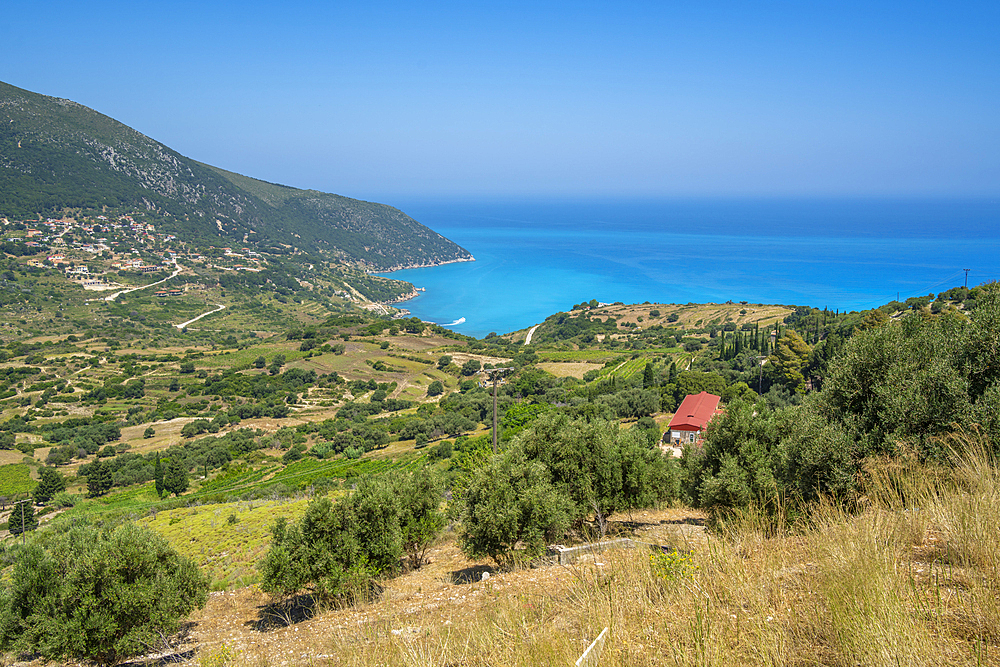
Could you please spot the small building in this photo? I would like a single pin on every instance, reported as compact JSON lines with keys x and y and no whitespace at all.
{"x":692,"y":416}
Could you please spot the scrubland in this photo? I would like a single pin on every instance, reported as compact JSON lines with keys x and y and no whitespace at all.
{"x":904,"y":574}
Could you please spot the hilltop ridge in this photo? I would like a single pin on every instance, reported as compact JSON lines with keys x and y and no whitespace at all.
{"x":59,"y":157}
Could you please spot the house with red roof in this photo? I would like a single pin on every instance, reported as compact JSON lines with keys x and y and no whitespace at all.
{"x":692,"y":416}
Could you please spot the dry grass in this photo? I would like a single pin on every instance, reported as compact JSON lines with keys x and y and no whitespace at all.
{"x":695,"y":315}
{"x":568,"y":369}
{"x":908,"y":578}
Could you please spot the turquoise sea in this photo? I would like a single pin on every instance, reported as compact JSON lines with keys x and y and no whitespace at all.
{"x":535,"y":257}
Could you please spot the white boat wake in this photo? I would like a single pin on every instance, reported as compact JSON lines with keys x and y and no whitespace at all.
{"x":460,"y":320}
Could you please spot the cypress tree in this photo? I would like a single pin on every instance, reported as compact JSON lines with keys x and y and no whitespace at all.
{"x":648,"y":376}
{"x":158,"y":476}
{"x":175,"y":477}
{"x":99,"y":480}
{"x":22,"y":517}
{"x":50,"y":483}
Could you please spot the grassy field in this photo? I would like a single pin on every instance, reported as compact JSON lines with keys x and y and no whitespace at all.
{"x":15,"y":478}
{"x":578,"y":356}
{"x":883,"y":585}
{"x":567,"y":369}
{"x":225,"y":540}
{"x":692,"y":316}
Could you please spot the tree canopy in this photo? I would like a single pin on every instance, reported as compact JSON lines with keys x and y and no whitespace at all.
{"x":101,"y":595}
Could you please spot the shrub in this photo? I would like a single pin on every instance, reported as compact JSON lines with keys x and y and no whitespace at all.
{"x":63,"y":499}
{"x":442,"y":450}
{"x":338,"y":549}
{"x":672,"y":567}
{"x":511,"y":501}
{"x":100,"y":595}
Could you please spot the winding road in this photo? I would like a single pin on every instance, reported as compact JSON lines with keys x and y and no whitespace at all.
{"x":527,"y":339}
{"x":218,"y":307}
{"x":177,"y":269}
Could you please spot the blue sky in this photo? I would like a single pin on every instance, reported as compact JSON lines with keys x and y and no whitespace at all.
{"x":381,"y":100}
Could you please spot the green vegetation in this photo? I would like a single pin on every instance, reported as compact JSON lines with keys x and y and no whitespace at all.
{"x":22,"y":518}
{"x":600,"y":467}
{"x":510,"y":502}
{"x":50,"y":482}
{"x":227,"y":552}
{"x":69,"y":144}
{"x":354,"y":427}
{"x":337,"y":549}
{"x":100,"y":595}
{"x":15,"y":479}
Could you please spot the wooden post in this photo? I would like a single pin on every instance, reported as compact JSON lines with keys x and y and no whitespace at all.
{"x":495,"y":374}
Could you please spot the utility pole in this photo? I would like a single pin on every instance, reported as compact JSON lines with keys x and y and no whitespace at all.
{"x":966,"y":277}
{"x":495,"y":374}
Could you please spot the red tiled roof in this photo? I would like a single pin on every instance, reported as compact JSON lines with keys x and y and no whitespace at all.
{"x":695,"y":412}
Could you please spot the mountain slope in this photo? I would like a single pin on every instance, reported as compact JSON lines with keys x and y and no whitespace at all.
{"x":57,"y":155}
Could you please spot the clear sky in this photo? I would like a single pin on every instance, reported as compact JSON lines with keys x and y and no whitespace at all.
{"x":379,"y":100}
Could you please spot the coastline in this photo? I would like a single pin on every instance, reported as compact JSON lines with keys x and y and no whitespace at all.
{"x":417,"y":290}
{"x":406,"y":297}
{"x":393,"y":269}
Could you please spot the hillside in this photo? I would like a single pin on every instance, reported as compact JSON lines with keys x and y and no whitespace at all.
{"x":836,"y":425}
{"x":59,"y":157}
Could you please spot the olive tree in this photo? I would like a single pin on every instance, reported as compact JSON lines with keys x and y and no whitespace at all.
{"x":100,"y":595}
{"x":337,"y":550}
{"x":599,"y":466}
{"x":420,"y":516}
{"x":511,"y":501}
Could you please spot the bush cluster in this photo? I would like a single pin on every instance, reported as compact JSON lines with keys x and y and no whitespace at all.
{"x":100,"y":595}
{"x":337,"y":550}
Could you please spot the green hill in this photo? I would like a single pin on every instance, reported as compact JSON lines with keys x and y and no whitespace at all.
{"x":58,"y":157}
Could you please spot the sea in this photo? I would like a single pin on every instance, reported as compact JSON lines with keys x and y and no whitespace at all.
{"x":536,"y":257}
